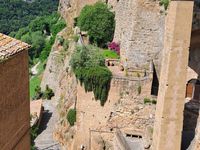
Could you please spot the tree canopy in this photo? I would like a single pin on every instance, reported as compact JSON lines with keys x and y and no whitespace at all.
{"x":15,"y":14}
{"x":99,"y":22}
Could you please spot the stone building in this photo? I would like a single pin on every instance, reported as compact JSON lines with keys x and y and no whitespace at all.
{"x":14,"y":95}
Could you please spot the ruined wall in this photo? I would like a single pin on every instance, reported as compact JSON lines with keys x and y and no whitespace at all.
{"x":124,"y":110}
{"x":140,"y":30}
{"x":14,"y":103}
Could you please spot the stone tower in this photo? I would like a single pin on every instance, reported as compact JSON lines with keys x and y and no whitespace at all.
{"x":169,"y":113}
{"x":14,"y":95}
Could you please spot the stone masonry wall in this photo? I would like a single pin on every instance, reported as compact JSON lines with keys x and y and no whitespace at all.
{"x":140,"y":31}
{"x":14,"y":103}
{"x":124,"y":110}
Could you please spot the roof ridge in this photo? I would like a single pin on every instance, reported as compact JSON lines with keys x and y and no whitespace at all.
{"x":10,"y":46}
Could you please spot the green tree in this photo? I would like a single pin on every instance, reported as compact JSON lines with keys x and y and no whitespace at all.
{"x":99,"y":21}
{"x":38,"y":42}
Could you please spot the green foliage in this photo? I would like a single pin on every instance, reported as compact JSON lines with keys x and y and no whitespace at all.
{"x":99,"y":21}
{"x":16,"y":14}
{"x":110,"y":54}
{"x":89,"y":67}
{"x":37,"y":34}
{"x":38,"y":92}
{"x":48,"y":93}
{"x":75,"y":38}
{"x":85,"y":57}
{"x":71,"y":116}
{"x":96,"y":79}
{"x":34,"y":82}
{"x":165,"y":3}
{"x":58,"y":27}
{"x":34,"y":134}
{"x":149,"y":101}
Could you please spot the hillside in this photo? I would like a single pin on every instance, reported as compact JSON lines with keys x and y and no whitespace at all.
{"x":15,"y":14}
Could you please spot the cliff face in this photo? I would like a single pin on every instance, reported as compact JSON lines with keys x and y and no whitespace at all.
{"x":70,"y":9}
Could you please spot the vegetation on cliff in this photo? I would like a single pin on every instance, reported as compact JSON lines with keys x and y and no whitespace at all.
{"x":71,"y":116}
{"x":40,"y":34}
{"x":89,"y":67}
{"x":15,"y":14}
{"x":165,"y":3}
{"x":99,"y":22}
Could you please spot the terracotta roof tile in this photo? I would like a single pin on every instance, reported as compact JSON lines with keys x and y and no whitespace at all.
{"x":10,"y":46}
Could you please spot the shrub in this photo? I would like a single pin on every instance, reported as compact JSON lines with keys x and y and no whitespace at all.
{"x":165,"y":3}
{"x":71,"y":116}
{"x":154,"y":101}
{"x":147,"y":100}
{"x":88,"y":65}
{"x":48,"y":93}
{"x":38,"y":93}
{"x":115,"y":47}
{"x":99,"y":22}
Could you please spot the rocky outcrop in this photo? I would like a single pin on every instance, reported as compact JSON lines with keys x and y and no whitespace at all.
{"x":54,"y":65}
{"x":70,"y":9}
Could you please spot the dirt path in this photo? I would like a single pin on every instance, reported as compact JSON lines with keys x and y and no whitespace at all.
{"x":34,"y":69}
{"x":45,"y":140}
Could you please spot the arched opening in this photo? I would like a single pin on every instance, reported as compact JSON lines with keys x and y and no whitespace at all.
{"x":193,"y":89}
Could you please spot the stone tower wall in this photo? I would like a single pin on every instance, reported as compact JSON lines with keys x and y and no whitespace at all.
{"x":140,"y":31}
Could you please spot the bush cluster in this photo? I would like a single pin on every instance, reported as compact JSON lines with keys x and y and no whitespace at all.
{"x":47,"y":94}
{"x":89,"y":67}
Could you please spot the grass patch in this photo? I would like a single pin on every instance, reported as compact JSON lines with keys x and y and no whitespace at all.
{"x":34,"y":82}
{"x":110,"y":54}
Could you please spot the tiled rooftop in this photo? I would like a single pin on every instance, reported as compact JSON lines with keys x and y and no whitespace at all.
{"x":10,"y":46}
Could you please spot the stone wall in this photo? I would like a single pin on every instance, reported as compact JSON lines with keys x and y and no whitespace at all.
{"x":14,"y":103}
{"x":124,"y":110}
{"x":140,"y":31}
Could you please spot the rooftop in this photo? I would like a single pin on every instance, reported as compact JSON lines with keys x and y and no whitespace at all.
{"x":10,"y":46}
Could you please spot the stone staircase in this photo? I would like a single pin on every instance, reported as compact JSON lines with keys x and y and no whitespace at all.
{"x":44,"y":140}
